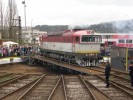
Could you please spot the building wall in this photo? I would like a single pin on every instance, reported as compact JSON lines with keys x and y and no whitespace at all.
{"x":31,"y":35}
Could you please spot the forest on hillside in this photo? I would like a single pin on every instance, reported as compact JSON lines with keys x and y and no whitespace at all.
{"x":125,"y":26}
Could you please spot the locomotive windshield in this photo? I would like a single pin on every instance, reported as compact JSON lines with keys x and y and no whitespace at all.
{"x":91,"y":38}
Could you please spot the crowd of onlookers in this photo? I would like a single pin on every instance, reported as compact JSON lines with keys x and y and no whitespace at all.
{"x":14,"y":50}
{"x":105,"y":51}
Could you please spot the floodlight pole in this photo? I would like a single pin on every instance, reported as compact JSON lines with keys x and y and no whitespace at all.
{"x":23,"y":2}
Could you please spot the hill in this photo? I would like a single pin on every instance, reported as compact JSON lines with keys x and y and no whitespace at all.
{"x":51,"y":28}
{"x":124,"y":26}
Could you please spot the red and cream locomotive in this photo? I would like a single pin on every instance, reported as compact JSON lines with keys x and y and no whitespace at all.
{"x":77,"y":46}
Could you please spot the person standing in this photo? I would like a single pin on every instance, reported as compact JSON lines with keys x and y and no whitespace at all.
{"x":131,"y":73}
{"x":107,"y":74}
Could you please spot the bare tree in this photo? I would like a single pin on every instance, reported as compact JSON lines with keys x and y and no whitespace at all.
{"x":1,"y":20}
{"x":11,"y":20}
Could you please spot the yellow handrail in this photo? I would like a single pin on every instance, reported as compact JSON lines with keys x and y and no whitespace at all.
{"x":126,"y":58}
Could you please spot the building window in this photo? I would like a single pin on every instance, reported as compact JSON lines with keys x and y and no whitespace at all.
{"x":128,"y":41}
{"x":108,"y":36}
{"x":121,"y":41}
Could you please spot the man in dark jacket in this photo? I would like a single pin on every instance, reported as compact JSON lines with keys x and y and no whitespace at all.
{"x":107,"y":74}
{"x":131,"y":72}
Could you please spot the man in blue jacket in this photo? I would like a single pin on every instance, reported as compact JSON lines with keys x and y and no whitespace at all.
{"x":131,"y":72}
{"x":107,"y":74}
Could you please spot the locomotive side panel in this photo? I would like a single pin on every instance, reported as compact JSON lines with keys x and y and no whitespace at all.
{"x":87,"y":48}
{"x":63,"y":47}
{"x":67,"y":47}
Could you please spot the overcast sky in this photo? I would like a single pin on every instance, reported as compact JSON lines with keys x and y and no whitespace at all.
{"x":74,"y":12}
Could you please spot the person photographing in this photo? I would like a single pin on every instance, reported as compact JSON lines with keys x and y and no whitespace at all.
{"x":107,"y":73}
{"x":131,"y":73}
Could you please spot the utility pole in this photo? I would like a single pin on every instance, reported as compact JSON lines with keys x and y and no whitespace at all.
{"x":23,"y":2}
{"x":20,"y":34}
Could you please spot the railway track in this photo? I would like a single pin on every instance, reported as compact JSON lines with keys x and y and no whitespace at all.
{"x":58,"y":87}
{"x":121,"y":82}
{"x":114,"y":92}
{"x":7,"y":77}
{"x":59,"y":91}
{"x":41,"y":89}
{"x":73,"y":88}
{"x":64,"y":87}
{"x":14,"y":85}
{"x":2,"y":73}
{"x":77,"y":89}
{"x":114,"y":73}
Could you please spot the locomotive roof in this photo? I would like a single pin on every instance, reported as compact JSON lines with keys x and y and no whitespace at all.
{"x":66,"y":31}
{"x":54,"y":33}
{"x":60,"y":32}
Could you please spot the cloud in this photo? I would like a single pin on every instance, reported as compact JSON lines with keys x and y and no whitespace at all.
{"x":107,"y":2}
{"x":75,"y":11}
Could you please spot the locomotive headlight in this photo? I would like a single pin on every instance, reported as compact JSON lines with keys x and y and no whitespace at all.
{"x":91,"y":54}
{"x":86,"y":54}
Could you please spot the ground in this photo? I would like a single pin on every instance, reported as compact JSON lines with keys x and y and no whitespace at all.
{"x":27,"y":69}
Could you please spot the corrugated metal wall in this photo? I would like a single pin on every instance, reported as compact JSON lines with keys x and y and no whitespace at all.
{"x":118,"y":57}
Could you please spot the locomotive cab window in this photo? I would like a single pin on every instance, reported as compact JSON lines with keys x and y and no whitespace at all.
{"x":90,"y":38}
{"x":85,"y":38}
{"x":93,"y":39}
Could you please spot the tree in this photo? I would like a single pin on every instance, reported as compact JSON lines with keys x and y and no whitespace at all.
{"x":11,"y":20}
{"x":1,"y":20}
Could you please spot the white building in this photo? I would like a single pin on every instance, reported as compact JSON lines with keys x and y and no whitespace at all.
{"x":31,"y":35}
